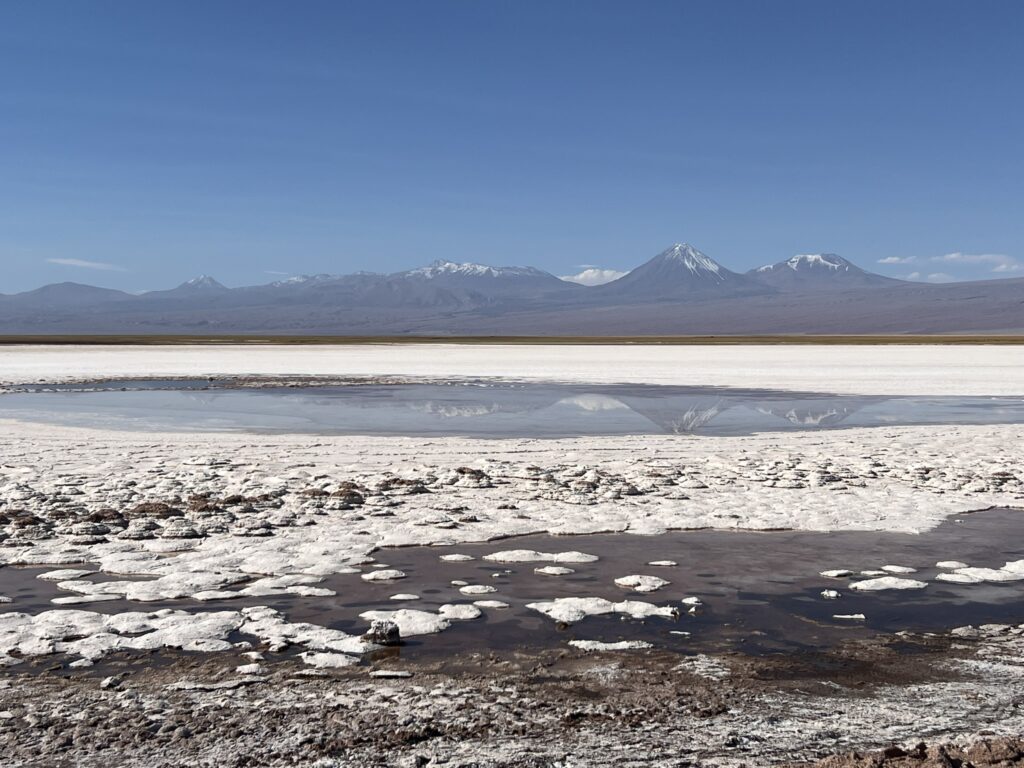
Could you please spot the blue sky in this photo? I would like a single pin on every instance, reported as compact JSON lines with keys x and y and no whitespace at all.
{"x":250,"y":140}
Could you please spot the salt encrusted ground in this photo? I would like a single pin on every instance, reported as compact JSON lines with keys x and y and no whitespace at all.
{"x":210,"y":516}
{"x":213,"y":517}
{"x":862,"y":370}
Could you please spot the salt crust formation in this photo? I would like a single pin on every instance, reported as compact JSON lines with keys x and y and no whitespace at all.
{"x":214,"y":517}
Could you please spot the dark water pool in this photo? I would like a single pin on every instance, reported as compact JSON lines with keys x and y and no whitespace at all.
{"x":761,"y":592}
{"x":486,"y":409}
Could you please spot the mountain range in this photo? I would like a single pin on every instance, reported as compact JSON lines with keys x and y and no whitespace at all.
{"x":679,"y":291}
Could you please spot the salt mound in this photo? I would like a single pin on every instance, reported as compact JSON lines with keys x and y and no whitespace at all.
{"x":597,"y":645}
{"x":477,"y":589}
{"x":532,"y":556}
{"x":324,"y":660}
{"x":410,"y":622}
{"x":459,"y":612}
{"x":553,"y":570}
{"x":1012,"y":571}
{"x":641,"y":583}
{"x":888,"y":582}
{"x":572,"y":609}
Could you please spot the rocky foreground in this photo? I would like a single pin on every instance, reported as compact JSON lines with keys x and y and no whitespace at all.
{"x":536,"y":708}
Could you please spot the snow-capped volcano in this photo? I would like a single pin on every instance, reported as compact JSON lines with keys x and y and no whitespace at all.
{"x":297,"y":280}
{"x":679,"y":272}
{"x":812,"y":261}
{"x":442,"y":268}
{"x":816,"y":271}
{"x":689,"y":257}
{"x":204,"y":285}
{"x":483,"y":281}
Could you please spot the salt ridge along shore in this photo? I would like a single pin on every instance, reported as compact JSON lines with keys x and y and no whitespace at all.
{"x":203,"y":512}
{"x":915,"y":369}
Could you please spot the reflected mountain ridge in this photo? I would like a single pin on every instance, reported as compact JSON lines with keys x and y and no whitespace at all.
{"x":816,"y":413}
{"x":493,"y":409}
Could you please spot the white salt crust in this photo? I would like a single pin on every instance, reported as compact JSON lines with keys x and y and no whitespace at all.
{"x":887,"y":582}
{"x":641,"y":583}
{"x":569,"y":610}
{"x":893,"y":479}
{"x":895,"y":369}
{"x":621,"y":645}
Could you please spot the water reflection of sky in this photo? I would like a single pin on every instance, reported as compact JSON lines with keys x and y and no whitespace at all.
{"x":493,"y":409}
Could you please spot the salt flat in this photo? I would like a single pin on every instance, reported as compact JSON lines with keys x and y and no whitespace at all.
{"x":852,"y":369}
{"x":214,"y":518}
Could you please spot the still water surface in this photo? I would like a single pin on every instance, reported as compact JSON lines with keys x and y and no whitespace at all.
{"x":487,"y":409}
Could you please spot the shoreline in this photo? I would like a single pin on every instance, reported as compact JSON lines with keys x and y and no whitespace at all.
{"x":921,"y":370}
{"x":1008,"y":338}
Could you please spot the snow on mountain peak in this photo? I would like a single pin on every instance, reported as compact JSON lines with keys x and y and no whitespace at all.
{"x":468,"y":269}
{"x":202,"y":282}
{"x":811,"y":261}
{"x":303,"y":280}
{"x":691,"y":258}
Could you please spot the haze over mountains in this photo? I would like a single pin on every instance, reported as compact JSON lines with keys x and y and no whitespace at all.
{"x":679,"y":291}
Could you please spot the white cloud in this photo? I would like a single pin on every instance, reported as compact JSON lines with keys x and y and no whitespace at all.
{"x":594,"y":276}
{"x":87,"y":264}
{"x":931,"y":277}
{"x":999,"y":262}
{"x":964,"y":266}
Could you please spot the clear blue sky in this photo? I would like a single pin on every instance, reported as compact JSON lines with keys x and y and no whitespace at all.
{"x":245,"y":139}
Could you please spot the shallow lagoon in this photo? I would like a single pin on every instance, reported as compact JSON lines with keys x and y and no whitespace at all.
{"x":483,"y":408}
{"x":760,"y":592}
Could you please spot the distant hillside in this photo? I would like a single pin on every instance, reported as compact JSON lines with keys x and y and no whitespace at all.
{"x":680,"y":291}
